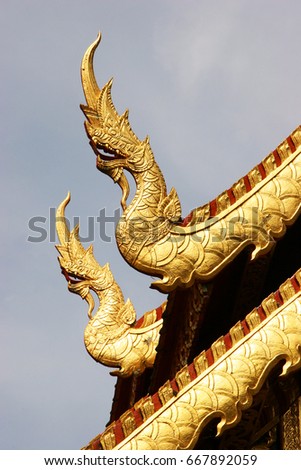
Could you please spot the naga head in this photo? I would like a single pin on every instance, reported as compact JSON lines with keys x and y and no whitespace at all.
{"x":79,"y":266}
{"x":111,"y":137}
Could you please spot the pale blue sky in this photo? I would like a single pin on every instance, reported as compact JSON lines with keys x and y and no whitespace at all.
{"x":216,"y":85}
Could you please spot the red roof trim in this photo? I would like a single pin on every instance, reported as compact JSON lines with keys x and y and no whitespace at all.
{"x":138,"y":417}
{"x":247,"y":183}
{"x":245,"y":327}
{"x":295,"y":284}
{"x":277,"y":158}
{"x":278,"y":298}
{"x":159,"y":314}
{"x":262,"y":170}
{"x":210,"y":358}
{"x":280,"y":155}
{"x":231,"y":196}
{"x":213,"y":208}
{"x":186,"y":220}
{"x":156,"y":401}
{"x":174,"y":386}
{"x":192,"y":371}
{"x":261,"y":313}
{"x":118,"y":431}
{"x":228,"y":341}
{"x":291,"y":144}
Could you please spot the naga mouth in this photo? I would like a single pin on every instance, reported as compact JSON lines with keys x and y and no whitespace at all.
{"x":112,"y":163}
{"x":104,"y":153}
{"x":73,"y":279}
{"x":77,"y":285}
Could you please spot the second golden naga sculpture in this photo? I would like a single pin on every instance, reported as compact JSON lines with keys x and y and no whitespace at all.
{"x":112,"y":336}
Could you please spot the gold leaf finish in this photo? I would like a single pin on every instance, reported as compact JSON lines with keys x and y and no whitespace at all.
{"x":151,"y":235}
{"x":111,"y":337}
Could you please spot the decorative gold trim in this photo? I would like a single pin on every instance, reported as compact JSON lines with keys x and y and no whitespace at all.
{"x":108,"y":439}
{"x":200,"y":363}
{"x":218,"y":348}
{"x":237,"y":333}
{"x":183,"y":377}
{"x":151,"y":235}
{"x":146,"y":407}
{"x":166,"y":393}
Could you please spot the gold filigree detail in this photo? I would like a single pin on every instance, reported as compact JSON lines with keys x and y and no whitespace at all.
{"x":151,"y":235}
{"x":253,"y":319}
{"x":218,"y":348}
{"x":110,"y":336}
{"x":183,"y":377}
{"x":128,"y":423}
{"x":166,"y":392}
{"x":200,"y":363}
{"x":291,"y":428}
{"x":108,"y":440}
{"x":236,"y":333}
{"x":146,"y":407}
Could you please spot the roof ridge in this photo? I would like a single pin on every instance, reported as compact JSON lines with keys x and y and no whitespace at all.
{"x":245,"y":184}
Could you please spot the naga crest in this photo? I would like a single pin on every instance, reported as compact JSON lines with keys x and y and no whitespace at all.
{"x":151,"y":234}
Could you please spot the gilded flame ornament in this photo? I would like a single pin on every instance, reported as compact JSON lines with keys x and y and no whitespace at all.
{"x":110,"y":336}
{"x":151,"y":235}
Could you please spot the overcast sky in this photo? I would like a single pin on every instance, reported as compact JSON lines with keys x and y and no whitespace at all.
{"x":216,"y":85}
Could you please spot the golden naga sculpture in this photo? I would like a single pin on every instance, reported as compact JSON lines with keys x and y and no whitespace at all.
{"x":151,"y":235}
{"x":111,"y":337}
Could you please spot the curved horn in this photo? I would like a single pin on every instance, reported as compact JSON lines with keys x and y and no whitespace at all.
{"x":90,"y":87}
{"x":62,"y":228}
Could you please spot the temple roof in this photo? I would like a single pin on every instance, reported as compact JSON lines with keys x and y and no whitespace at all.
{"x":217,"y":347}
